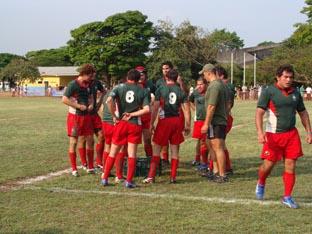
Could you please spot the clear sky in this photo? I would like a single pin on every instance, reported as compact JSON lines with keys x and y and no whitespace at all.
{"x":27,"y":25}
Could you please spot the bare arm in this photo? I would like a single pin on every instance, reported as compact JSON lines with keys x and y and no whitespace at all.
{"x":187,"y":116}
{"x":305,"y":120}
{"x":70,"y":103}
{"x":209,"y":114}
{"x":110,"y":105}
{"x":145,"y":110}
{"x":155,"y":112}
{"x":259,"y":125}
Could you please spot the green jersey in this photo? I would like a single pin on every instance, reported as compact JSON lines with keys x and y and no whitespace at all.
{"x":95,"y":86}
{"x":199,"y":101}
{"x":78,"y":92}
{"x":107,"y":116}
{"x":170,"y":97}
{"x":129,"y":98}
{"x":280,"y":106}
{"x":216,"y":95}
{"x":160,"y":82}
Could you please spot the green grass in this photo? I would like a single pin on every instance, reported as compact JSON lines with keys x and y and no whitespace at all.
{"x":35,"y":143}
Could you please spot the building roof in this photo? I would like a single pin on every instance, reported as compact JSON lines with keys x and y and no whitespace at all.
{"x":58,"y":71}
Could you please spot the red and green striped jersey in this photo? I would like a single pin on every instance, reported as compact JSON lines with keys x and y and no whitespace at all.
{"x":281,"y":106}
{"x":171,"y":97}
{"x":199,"y":101}
{"x":78,"y":92}
{"x":129,"y":98}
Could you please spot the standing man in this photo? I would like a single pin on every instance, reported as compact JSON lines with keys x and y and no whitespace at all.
{"x":216,"y":120}
{"x":132,"y":104}
{"x":79,"y":125}
{"x":281,"y":140}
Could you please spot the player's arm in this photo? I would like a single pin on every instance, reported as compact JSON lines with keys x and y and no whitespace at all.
{"x":100,"y":101}
{"x":187,"y":115}
{"x":90,"y":102}
{"x":155,"y":112}
{"x":66,"y":100}
{"x":182,"y":84}
{"x":305,"y":120}
{"x":259,"y":125}
{"x":111,"y":107}
{"x":209,"y":114}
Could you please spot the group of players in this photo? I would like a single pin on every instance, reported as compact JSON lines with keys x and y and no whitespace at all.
{"x":132,"y":108}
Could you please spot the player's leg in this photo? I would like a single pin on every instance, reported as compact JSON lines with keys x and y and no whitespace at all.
{"x":90,"y":153}
{"x":174,"y":162}
{"x":217,"y":145}
{"x":99,"y":147}
{"x":153,"y":164}
{"x":119,"y":164}
{"x":109,"y":163}
{"x":132,"y":154}
{"x":147,"y":142}
{"x":81,"y":145}
{"x":72,"y":155}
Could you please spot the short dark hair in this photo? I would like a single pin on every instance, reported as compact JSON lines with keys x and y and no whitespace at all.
{"x":287,"y":68}
{"x":168,"y":63}
{"x":86,"y":69}
{"x":221,"y":72}
{"x":133,"y":75}
{"x":202,"y":79}
{"x":173,"y":75}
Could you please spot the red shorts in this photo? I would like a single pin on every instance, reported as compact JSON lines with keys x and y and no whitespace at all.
{"x":127,"y":132}
{"x":168,"y":130}
{"x":229,"y":124}
{"x":96,"y":122}
{"x":146,"y":121}
{"x":108,"y":130}
{"x":282,"y":145}
{"x":197,"y":130}
{"x":79,"y":125}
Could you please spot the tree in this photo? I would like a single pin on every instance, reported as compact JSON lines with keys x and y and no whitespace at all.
{"x":52,"y":57}
{"x":222,"y":39}
{"x":19,"y":70}
{"x":114,"y":45}
{"x":266,"y":43}
{"x":307,"y":10}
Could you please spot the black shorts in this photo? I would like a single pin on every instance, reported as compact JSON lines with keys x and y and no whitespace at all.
{"x":216,"y":131}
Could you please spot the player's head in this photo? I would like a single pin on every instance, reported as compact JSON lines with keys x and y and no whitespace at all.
{"x":222,"y":73}
{"x":201,"y":85}
{"x":208,"y":71}
{"x":143,"y":73}
{"x":133,"y":75}
{"x":166,"y":67}
{"x":285,"y":76}
{"x":87,"y":71}
{"x":173,"y":75}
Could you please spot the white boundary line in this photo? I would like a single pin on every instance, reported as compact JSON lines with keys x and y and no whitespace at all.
{"x":169,"y":196}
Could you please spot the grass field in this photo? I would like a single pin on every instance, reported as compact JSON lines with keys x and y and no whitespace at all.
{"x":33,"y":142}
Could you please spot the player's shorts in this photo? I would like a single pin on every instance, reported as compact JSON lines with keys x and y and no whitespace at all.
{"x":96,"y":122}
{"x":197,"y":130}
{"x":108,"y":130}
{"x":79,"y":125}
{"x":168,"y":131}
{"x":282,"y":145}
{"x":229,"y":124}
{"x":216,"y":132}
{"x":127,"y":132}
{"x":146,"y":121}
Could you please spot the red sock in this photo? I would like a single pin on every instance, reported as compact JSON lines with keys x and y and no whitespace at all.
{"x":99,"y":153}
{"x":153,"y":166}
{"x":90,"y":153}
{"x":119,"y":164}
{"x":228,"y":164}
{"x":105,"y":155}
{"x":174,"y":167}
{"x":131,"y":168}
{"x":197,"y":157}
{"x":262,"y":177}
{"x":108,"y":167}
{"x":148,"y":149}
{"x":72,"y":158}
{"x":204,"y":155}
{"x":210,"y":165}
{"x":165,"y":156}
{"x":83,"y":156}
{"x":289,"y":182}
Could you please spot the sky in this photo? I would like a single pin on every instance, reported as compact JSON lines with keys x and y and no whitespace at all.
{"x":27,"y":25}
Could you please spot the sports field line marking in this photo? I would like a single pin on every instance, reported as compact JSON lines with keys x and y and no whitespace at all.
{"x":168,"y":196}
{"x":9,"y":119}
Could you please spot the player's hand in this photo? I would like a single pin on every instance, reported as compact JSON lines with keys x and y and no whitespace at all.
{"x":90,"y":108}
{"x":309,"y":138}
{"x":152,"y":129}
{"x":187,"y":131}
{"x":115,"y":120}
{"x":204,"y":129}
{"x":82,"y":107}
{"x":126,"y":116}
{"x":262,"y":138}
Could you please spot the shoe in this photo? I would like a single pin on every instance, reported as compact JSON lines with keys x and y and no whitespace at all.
{"x":195,"y":163}
{"x":210,"y":175}
{"x":130,"y":185}
{"x":260,"y":191}
{"x":84,"y":167}
{"x":220,"y":179}
{"x":289,"y":202}
{"x":148,"y":180}
{"x":202,"y":168}
{"x":229,"y":172}
{"x":173,"y":181}
{"x":104,"y":182}
{"x":75,"y":173}
{"x":99,"y":166}
{"x":119,"y":181}
{"x":91,"y":171}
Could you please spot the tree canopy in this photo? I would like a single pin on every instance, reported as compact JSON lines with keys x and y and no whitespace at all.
{"x":52,"y":57}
